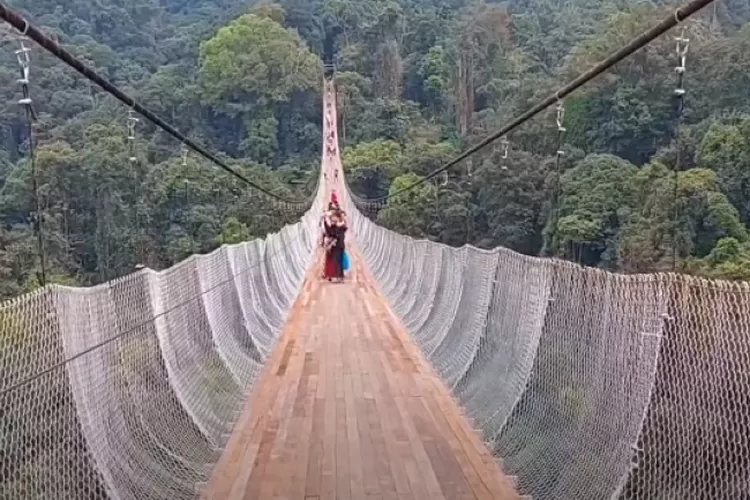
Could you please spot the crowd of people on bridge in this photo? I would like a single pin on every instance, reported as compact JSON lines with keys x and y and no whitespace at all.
{"x":333,"y":223}
{"x":333,"y":240}
{"x":330,"y":134}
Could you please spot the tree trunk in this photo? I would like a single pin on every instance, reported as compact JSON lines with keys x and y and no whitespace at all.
{"x":465,"y":92}
{"x":392,"y":69}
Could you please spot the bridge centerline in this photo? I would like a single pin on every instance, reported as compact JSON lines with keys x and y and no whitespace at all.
{"x":347,"y":406}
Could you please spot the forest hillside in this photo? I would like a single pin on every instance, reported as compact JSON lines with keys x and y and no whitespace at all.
{"x":418,"y":81}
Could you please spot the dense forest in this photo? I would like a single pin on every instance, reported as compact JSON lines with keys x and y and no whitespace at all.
{"x":417,"y":81}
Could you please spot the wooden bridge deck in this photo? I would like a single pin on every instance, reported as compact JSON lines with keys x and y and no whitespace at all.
{"x":347,"y":408}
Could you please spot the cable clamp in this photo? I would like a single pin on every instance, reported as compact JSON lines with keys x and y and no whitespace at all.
{"x":683,"y":43}
{"x":560,"y":116}
{"x":505,"y":145}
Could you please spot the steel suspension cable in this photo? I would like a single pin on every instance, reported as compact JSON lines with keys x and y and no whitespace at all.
{"x":639,"y":42}
{"x":29,"y":30}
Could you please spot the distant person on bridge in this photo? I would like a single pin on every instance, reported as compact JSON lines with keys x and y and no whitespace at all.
{"x":325,"y":221}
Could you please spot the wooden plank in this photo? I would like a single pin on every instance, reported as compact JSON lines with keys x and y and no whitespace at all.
{"x":275,"y":468}
{"x":304,"y":445}
{"x":343,"y":482}
{"x":328,"y":479}
{"x":448,"y":470}
{"x":356,"y":464}
{"x":315,"y":453}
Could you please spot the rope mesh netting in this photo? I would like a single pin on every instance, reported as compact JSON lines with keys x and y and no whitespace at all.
{"x":130,"y":389}
{"x":589,"y":385}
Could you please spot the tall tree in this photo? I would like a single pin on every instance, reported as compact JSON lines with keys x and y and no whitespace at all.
{"x":249,"y":70}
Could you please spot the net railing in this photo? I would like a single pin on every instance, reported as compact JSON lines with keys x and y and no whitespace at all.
{"x":130,"y":389}
{"x":587,"y":384}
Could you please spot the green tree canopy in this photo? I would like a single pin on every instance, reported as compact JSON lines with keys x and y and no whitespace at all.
{"x":256,"y":61}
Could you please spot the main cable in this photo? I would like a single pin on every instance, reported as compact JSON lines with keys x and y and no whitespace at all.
{"x":29,"y":30}
{"x":641,"y":41}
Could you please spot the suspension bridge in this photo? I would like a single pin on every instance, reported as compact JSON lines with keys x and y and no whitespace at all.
{"x":433,"y":372}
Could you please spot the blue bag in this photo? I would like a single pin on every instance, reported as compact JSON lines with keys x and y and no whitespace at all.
{"x":346,"y":261}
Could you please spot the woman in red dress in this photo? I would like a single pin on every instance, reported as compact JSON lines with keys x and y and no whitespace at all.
{"x":329,"y":265}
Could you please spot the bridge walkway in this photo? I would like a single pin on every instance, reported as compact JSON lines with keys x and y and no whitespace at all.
{"x":347,"y":408}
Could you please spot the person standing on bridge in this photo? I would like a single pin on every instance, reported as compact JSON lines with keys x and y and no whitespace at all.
{"x":325,"y":221}
{"x":335,"y":247}
{"x":339,"y":247}
{"x":329,"y":240}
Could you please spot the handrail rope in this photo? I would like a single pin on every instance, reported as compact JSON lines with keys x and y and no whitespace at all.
{"x":679,"y":15}
{"x":27,"y":29}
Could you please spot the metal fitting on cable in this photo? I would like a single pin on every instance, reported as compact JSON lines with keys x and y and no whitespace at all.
{"x":504,"y":146}
{"x":683,"y":44}
{"x":24,"y":64}
{"x":132,"y":121}
{"x":560,"y":129}
{"x":184,"y":156}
